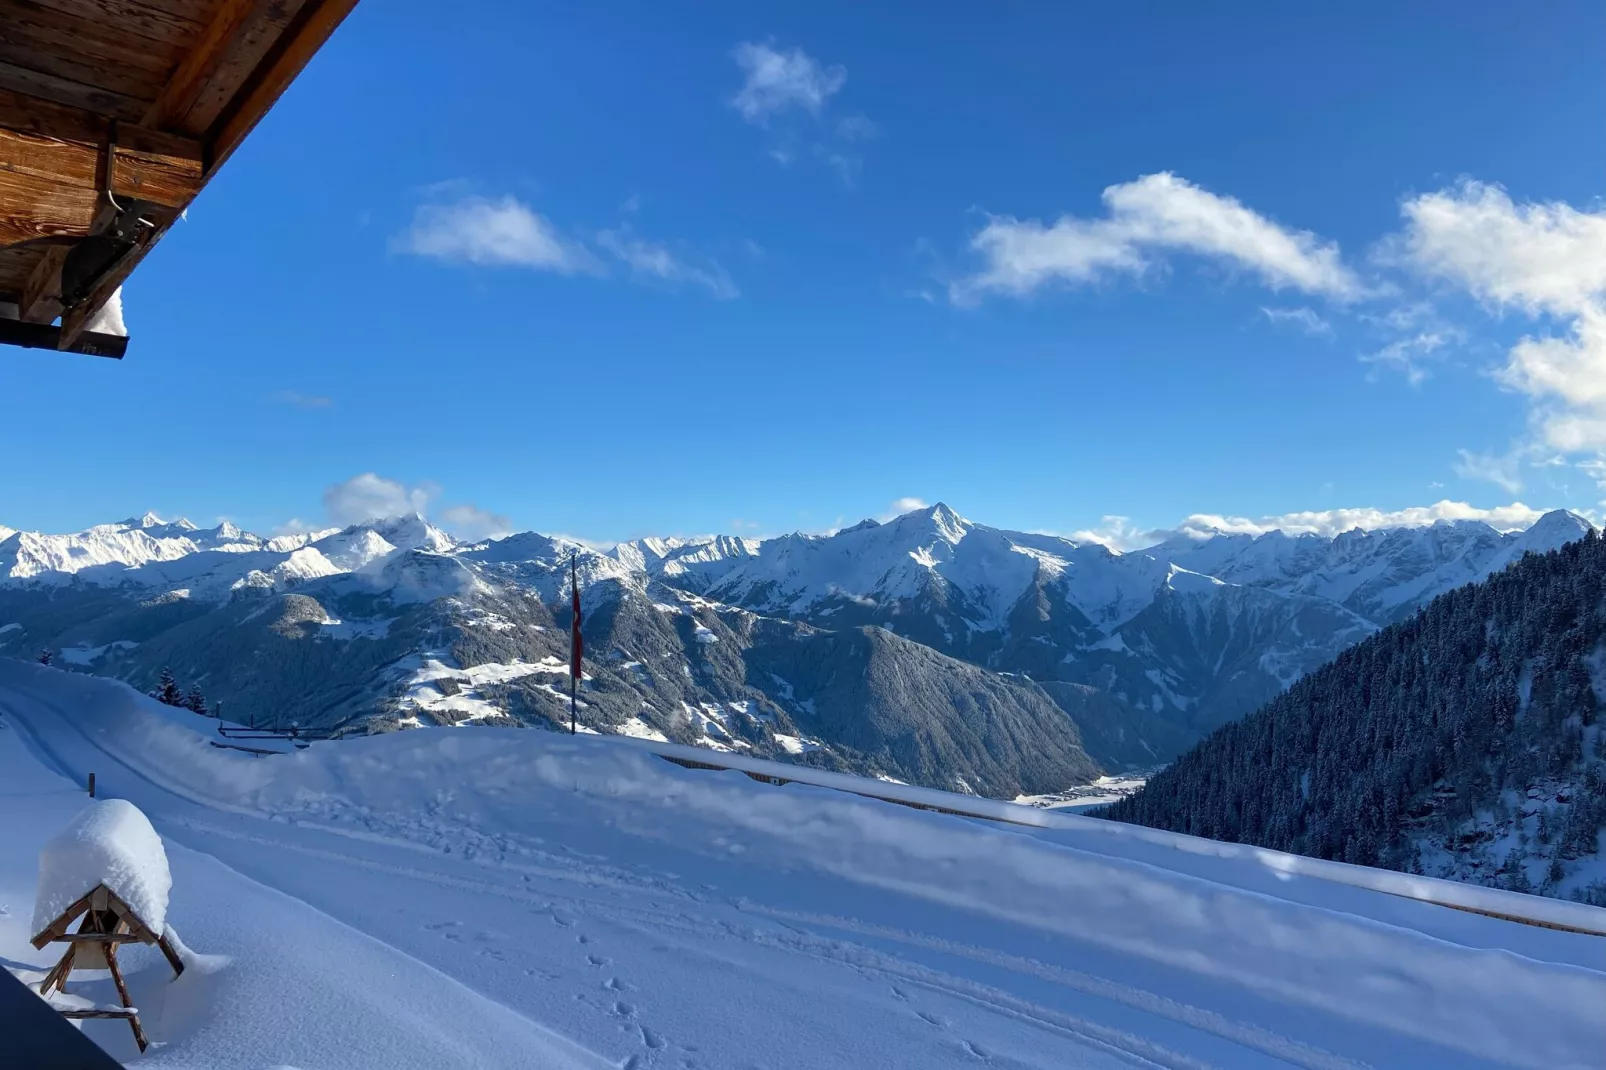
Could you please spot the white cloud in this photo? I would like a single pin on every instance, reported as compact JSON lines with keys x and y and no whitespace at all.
{"x":1542,"y":260}
{"x":856,"y":128}
{"x":1304,"y":318}
{"x":1153,"y":214}
{"x":846,"y":167}
{"x":649,"y":258}
{"x":780,"y":81}
{"x":1408,"y":356}
{"x":473,"y":524}
{"x":371,"y":497}
{"x":295,"y":526}
{"x":300,"y":400}
{"x":900,"y":506}
{"x":504,"y":233}
{"x":1335,"y":521}
{"x":1116,"y":532}
{"x":1502,"y":471}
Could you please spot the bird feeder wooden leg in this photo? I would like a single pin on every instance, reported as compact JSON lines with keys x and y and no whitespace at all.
{"x":172,"y":956}
{"x":57,"y":976}
{"x":122,"y":994}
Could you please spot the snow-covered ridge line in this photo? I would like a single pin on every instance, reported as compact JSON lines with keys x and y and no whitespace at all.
{"x":1509,"y":906}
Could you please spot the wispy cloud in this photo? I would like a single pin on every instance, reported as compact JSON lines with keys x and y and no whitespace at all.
{"x":856,"y":128}
{"x":503,"y":232}
{"x":370,"y":496}
{"x":899,"y":506}
{"x":1503,"y":470}
{"x":1306,"y":319}
{"x":1409,"y":356}
{"x":1336,"y":521}
{"x":1145,"y":219}
{"x":1116,"y":532}
{"x":777,"y":81}
{"x":473,"y":524}
{"x":300,"y":400}
{"x":506,"y":232}
{"x":656,"y":261}
{"x":786,"y":92}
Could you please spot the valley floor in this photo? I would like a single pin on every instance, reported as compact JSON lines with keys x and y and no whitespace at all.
{"x":511,"y":898}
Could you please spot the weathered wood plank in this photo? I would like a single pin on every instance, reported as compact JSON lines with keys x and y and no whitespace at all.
{"x":318,"y":19}
{"x":169,"y":175}
{"x":32,"y":208}
{"x":65,"y":91}
{"x":239,"y":57}
{"x":39,"y":300}
{"x":130,"y":17}
{"x":15,"y":267}
{"x":30,"y":22}
{"x":20,"y":111}
{"x":18,"y":50}
{"x":199,"y":65}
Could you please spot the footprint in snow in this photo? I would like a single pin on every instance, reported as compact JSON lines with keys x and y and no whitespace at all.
{"x":613,"y":984}
{"x":898,"y":993}
{"x":624,"y":1010}
{"x":931,"y":1019}
{"x":596,"y":960}
{"x":974,"y":1050}
{"x":653,"y":1040}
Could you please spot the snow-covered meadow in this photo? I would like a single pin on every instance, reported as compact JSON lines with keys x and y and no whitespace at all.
{"x":508,"y":897}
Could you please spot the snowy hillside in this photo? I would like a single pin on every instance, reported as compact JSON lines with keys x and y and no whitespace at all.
{"x":1464,"y":742}
{"x":522,"y":899}
{"x":944,"y":626}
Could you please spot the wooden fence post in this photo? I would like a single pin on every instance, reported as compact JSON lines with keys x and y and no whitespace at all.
{"x":91,"y":785}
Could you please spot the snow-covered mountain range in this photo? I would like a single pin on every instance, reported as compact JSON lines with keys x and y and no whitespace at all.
{"x":928,"y":648}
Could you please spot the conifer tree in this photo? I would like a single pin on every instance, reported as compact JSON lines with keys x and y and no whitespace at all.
{"x":167,"y":690}
{"x":194,"y":701}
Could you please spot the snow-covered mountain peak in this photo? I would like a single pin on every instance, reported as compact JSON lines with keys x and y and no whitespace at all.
{"x":151,"y":520}
{"x":411,"y":532}
{"x":1555,"y":529}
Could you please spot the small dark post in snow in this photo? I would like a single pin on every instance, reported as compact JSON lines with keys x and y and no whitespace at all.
{"x":91,"y":785}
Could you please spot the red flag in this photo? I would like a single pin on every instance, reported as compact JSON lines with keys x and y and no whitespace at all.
{"x":574,"y":639}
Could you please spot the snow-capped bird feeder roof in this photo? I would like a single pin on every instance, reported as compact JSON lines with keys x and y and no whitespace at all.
{"x":111,"y":844}
{"x":114,"y":114}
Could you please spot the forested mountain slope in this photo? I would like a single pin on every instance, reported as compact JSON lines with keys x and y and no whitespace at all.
{"x":1463,"y":742}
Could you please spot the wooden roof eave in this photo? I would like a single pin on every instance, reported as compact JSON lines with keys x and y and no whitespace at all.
{"x":82,"y":160}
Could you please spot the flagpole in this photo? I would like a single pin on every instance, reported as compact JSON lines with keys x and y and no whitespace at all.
{"x":574,"y":639}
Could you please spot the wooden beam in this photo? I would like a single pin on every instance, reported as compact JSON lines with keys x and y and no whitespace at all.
{"x":317,"y":20}
{"x":199,"y":64}
{"x":151,"y":167}
{"x":74,"y":320}
{"x":133,"y":18}
{"x":44,"y":336}
{"x":40,"y":300}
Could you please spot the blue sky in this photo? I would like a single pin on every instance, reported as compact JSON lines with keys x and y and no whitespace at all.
{"x":613,"y":269}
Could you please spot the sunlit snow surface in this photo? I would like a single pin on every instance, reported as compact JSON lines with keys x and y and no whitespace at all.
{"x":516,"y":898}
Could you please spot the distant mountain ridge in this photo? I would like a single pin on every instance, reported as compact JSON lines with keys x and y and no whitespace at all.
{"x":988,"y":659}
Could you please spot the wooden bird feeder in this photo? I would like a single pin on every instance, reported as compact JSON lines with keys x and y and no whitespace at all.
{"x":107,"y":923}
{"x":103,"y":882}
